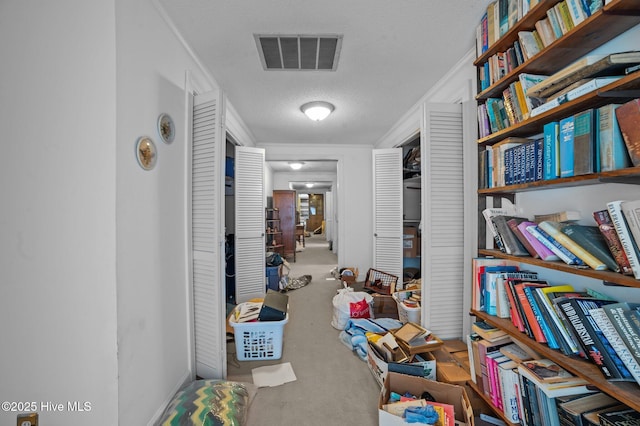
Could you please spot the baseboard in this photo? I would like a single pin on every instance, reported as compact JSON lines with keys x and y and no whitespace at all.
{"x":186,"y":377}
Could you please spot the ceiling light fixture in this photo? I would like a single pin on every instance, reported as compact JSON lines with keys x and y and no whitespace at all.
{"x":309,"y":185}
{"x":296,"y":165}
{"x":318,"y":110}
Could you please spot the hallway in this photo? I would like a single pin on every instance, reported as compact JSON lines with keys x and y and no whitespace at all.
{"x":333,"y":385}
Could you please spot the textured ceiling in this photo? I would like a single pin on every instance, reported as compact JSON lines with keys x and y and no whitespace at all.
{"x":392,"y":53}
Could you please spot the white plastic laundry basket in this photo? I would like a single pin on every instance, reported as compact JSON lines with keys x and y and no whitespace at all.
{"x":258,"y":339}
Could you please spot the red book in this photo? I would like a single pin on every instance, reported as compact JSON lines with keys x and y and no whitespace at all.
{"x":530,"y":315}
{"x":628,"y":116}
{"x":608,"y":231}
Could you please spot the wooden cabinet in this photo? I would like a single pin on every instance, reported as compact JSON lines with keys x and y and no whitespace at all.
{"x":613,"y":19}
{"x":285,"y":202}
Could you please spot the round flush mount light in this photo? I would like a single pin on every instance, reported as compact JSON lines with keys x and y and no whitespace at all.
{"x":295,"y":165}
{"x":318,"y":110}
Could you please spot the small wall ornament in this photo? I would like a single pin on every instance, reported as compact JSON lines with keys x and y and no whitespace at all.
{"x":166,"y":128}
{"x":146,"y":152}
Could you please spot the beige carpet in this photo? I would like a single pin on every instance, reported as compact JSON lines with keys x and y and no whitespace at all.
{"x":333,"y":386}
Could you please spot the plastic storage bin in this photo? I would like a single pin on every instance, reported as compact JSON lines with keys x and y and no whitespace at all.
{"x":405,"y":313}
{"x":258,"y":339}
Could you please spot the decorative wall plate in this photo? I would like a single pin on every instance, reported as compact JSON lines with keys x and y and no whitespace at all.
{"x":166,"y":128}
{"x":146,"y":152}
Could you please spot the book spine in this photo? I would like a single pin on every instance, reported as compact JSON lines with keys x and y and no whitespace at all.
{"x":541,"y":249}
{"x":613,"y":152}
{"x":571,"y":346}
{"x":584,"y":143}
{"x":566,"y":146}
{"x":513,"y":224}
{"x":610,"y":332}
{"x":631,"y":212}
{"x":509,"y":396}
{"x":590,"y":239}
{"x":620,"y":319}
{"x":557,"y":248}
{"x":615,"y":211}
{"x":550,"y":150}
{"x":574,"y":248}
{"x":592,"y":345}
{"x":526,"y":414}
{"x":548,"y":336}
{"x":536,"y":331}
{"x":608,"y":231}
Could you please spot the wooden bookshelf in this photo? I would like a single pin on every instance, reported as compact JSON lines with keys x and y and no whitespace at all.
{"x":612,"y":20}
{"x":626,"y":392}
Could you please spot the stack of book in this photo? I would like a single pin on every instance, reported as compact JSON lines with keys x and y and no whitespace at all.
{"x":592,"y":141}
{"x":611,"y":245}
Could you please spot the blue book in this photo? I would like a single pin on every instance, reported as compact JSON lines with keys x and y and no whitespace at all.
{"x":489,"y":298}
{"x":551,"y":150}
{"x":539,"y":158}
{"x":537,"y":312}
{"x":584,"y":143}
{"x":613,"y":154}
{"x":566,"y":146}
{"x":558,"y":249}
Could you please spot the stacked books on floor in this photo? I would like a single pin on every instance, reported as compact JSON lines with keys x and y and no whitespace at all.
{"x":612,"y":244}
{"x":533,"y":391}
{"x":592,"y":141}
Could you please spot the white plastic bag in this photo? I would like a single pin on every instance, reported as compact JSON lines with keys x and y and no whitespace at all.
{"x":342,"y":306}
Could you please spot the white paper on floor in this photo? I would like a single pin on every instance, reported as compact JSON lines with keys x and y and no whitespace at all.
{"x":273,"y":375}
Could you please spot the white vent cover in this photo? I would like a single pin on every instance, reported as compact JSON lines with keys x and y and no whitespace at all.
{"x":280,"y":52}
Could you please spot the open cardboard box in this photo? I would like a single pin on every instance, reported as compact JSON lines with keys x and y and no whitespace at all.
{"x":379,"y":367}
{"x":442,"y":392}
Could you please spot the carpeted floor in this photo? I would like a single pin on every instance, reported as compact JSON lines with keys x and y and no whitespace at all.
{"x":333,"y":385}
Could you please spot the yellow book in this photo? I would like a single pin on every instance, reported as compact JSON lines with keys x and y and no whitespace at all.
{"x":553,"y":229}
{"x":522,"y":100}
{"x":563,"y":8}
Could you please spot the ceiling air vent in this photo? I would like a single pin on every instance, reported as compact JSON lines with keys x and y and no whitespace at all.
{"x":299,"y":52}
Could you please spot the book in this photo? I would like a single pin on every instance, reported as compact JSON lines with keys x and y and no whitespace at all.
{"x":547,"y":35}
{"x":631,"y":211}
{"x":571,"y":412}
{"x":503,"y":304}
{"x":551,"y":150}
{"x":627,"y":417}
{"x":546,"y":371}
{"x":569,"y":344}
{"x":612,"y":149}
{"x":591,"y":239}
{"x":543,"y":251}
{"x":547,"y":325}
{"x":488,"y":331}
{"x":515,"y":352}
{"x":626,"y":240}
{"x":513,"y":225}
{"x":572,"y":386}
{"x":565,"y":15}
{"x":478,"y":268}
{"x":491,"y":276}
{"x":558,"y":249}
{"x":529,"y":314}
{"x":580,"y":89}
{"x":553,"y":229}
{"x":508,"y":376}
{"x":589,"y":66}
{"x":566,"y":146}
{"x":584,"y":143}
{"x":592,"y":417}
{"x":484,"y":348}
{"x":617,"y":343}
{"x":561,"y":216}
{"x":491,"y":212}
{"x":594,"y":343}
{"x":555,"y":23}
{"x":576,"y":11}
{"x":511,"y":244}
{"x":608,"y":231}
{"x":628,"y":116}
{"x":527,"y":81}
{"x":620,"y":316}
{"x":529,"y":44}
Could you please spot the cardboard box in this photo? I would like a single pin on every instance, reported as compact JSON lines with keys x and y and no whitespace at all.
{"x":410,"y":242}
{"x":379,"y":368}
{"x":442,"y":392}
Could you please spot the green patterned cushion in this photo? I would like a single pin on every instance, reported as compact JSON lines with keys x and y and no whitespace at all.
{"x":208,"y":403}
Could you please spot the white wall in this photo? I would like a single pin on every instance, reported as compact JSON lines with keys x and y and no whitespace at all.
{"x":354,"y":190}
{"x":153,"y":319}
{"x":58,"y":220}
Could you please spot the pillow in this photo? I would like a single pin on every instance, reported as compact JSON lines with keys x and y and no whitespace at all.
{"x":209,"y":402}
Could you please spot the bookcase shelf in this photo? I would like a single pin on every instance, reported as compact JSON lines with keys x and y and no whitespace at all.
{"x":622,"y":90}
{"x":625,"y":392}
{"x":606,"y":276}
{"x":629,"y":175}
{"x":487,"y":400}
{"x":612,"y":20}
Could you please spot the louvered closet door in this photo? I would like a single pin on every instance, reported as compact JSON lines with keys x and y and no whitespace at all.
{"x":207,"y":191}
{"x":387,"y":211}
{"x":442,"y":220}
{"x":250,"y":224}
